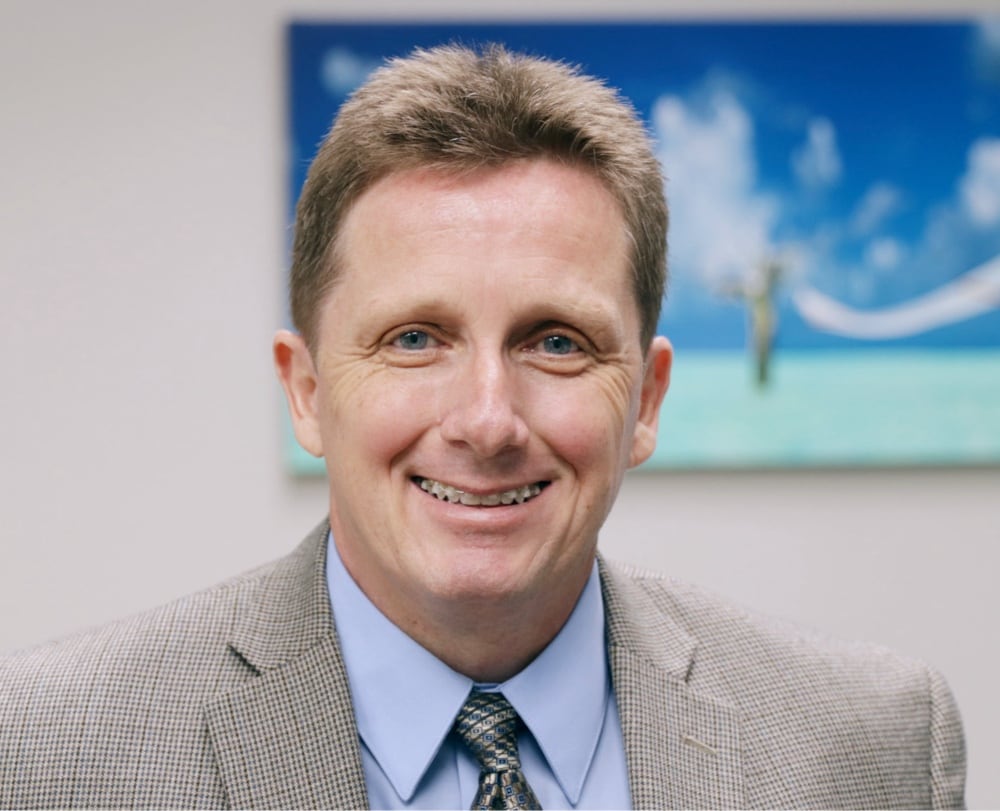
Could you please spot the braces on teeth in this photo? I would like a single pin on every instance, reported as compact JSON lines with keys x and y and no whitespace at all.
{"x":445,"y":492}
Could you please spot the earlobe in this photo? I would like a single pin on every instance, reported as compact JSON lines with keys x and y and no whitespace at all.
{"x":297,"y":373}
{"x":655,"y":382}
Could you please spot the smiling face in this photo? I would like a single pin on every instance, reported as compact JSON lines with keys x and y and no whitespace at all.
{"x":478,"y":388}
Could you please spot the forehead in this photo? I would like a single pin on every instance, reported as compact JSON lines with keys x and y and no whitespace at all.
{"x":541,"y":186}
{"x":526,"y":204}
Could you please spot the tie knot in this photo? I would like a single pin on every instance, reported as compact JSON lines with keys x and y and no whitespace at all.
{"x":487,"y":723}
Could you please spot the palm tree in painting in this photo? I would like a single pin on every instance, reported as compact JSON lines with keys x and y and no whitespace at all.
{"x":758,"y":292}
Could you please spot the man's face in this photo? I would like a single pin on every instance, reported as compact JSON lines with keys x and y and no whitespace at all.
{"x":478,"y":386}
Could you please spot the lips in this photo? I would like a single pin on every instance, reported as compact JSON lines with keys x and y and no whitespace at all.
{"x":446,"y":492}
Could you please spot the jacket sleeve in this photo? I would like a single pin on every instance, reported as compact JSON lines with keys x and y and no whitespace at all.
{"x":947,"y":747}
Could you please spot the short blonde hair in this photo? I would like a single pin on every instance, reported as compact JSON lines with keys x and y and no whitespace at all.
{"x":459,"y":109}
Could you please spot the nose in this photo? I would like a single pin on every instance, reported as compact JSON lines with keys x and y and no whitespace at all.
{"x":482,"y":409}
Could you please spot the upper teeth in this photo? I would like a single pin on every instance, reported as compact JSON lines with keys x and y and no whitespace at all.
{"x":446,"y":492}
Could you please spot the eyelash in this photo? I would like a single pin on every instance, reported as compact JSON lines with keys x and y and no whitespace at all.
{"x":536,"y":345}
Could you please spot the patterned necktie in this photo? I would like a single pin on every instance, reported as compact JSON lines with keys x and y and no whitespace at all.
{"x":488,"y":726}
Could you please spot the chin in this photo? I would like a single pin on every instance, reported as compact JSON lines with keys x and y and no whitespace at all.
{"x":480,"y":577}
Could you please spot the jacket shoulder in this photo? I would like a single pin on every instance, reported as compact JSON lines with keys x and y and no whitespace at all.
{"x":108,"y":715}
{"x":186,"y":631}
{"x":732,"y":638}
{"x":823,"y":720}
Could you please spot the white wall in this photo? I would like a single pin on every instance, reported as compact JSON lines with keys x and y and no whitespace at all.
{"x":141,"y":255}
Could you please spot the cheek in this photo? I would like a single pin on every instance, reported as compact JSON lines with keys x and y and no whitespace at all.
{"x":374,"y":413}
{"x":588,"y":421}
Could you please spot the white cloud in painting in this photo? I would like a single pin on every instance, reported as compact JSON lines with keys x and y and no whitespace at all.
{"x":884,"y":254}
{"x":720,"y":228}
{"x":817,"y":162}
{"x":342,"y":70}
{"x":988,"y":32}
{"x":960,"y":231}
{"x":987,"y":48}
{"x":980,"y":187}
{"x":880,"y":202}
{"x":965,"y":228}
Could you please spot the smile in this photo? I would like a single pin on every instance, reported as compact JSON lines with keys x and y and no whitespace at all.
{"x":445,"y":492}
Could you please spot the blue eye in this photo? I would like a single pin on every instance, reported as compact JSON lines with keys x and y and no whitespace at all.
{"x":559,"y":345}
{"x":415,"y":339}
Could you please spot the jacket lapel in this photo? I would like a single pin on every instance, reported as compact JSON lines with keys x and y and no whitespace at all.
{"x":287,"y":736}
{"x":682,"y":747}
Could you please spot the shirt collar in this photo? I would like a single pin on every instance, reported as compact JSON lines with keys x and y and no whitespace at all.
{"x":406,"y":699}
{"x":562,"y":696}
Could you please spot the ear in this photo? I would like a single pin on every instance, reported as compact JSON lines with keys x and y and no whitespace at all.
{"x":655,"y":382}
{"x":297,"y":374}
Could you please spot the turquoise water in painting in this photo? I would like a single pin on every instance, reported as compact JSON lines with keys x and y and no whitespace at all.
{"x":832,"y":408}
{"x":820,"y":408}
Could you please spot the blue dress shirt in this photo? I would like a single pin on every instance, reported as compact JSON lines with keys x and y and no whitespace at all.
{"x":406,"y":699}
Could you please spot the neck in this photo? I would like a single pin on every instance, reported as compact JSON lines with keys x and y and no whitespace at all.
{"x":489,"y":643}
{"x":488,"y":639}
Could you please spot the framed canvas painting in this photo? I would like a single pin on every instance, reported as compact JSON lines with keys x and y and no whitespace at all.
{"x":834,"y":249}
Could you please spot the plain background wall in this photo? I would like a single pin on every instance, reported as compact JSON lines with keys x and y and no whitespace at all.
{"x":142,"y":183}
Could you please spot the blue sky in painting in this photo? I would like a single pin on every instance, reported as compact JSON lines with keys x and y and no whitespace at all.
{"x":863,"y":159}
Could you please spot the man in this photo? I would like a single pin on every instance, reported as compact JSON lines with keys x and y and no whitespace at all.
{"x":478,"y":267}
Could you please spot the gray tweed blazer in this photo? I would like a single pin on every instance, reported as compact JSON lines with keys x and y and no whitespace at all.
{"x":237,"y":697}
